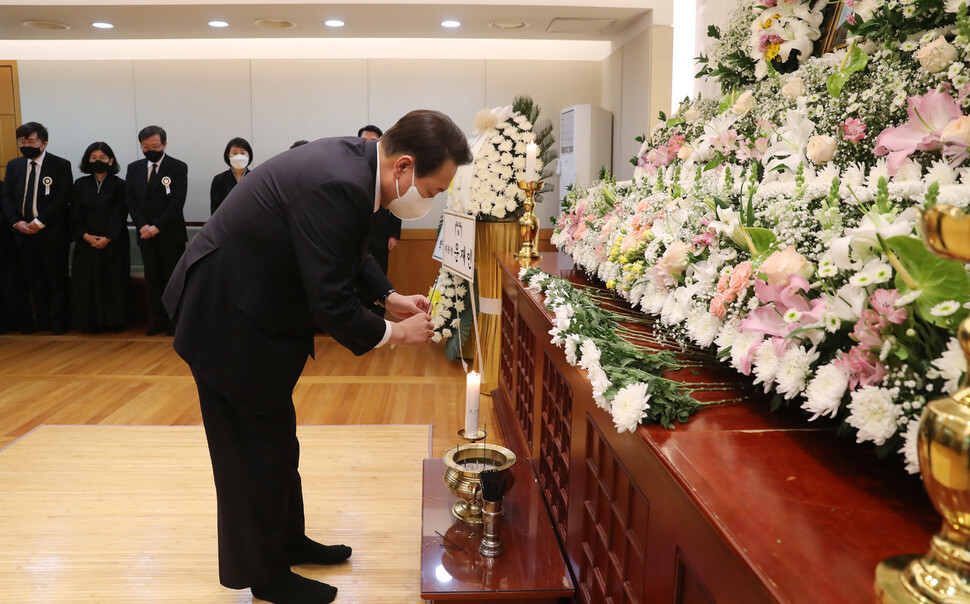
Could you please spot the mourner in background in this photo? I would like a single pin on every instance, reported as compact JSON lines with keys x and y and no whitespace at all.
{"x":36,"y":202}
{"x":102,"y":259}
{"x":155,"y":189}
{"x":238,"y":156}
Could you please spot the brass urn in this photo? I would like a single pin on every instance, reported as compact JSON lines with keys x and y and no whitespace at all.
{"x":942,"y":575}
{"x":463,"y":476}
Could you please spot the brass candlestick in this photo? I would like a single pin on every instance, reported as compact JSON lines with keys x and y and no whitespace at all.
{"x":528,"y":223}
{"x":943,"y":574}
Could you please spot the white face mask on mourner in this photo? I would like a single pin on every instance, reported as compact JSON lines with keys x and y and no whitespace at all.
{"x":239,"y":161}
{"x":411,"y":205}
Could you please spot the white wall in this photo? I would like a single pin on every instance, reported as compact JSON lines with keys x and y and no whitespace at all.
{"x":272,"y":102}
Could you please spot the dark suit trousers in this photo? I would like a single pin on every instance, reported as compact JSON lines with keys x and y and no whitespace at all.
{"x":160,"y":254}
{"x":43,"y":260}
{"x":255,"y":460}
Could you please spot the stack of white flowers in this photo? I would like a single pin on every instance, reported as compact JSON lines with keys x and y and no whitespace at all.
{"x":499,"y":150}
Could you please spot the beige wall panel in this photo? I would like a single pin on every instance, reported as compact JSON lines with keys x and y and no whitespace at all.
{"x":80,"y":103}
{"x":454,"y":87}
{"x":611,"y":72}
{"x":553,"y":85}
{"x":201,"y":105}
{"x":7,"y":104}
{"x":307,"y":99}
{"x":635,"y":102}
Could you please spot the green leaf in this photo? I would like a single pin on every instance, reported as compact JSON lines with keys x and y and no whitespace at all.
{"x":835,"y":83}
{"x":762,"y":239}
{"x":938,"y":278}
{"x":714,"y":163}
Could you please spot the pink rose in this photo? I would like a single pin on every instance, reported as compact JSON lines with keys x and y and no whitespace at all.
{"x":779,"y":266}
{"x":675,"y":258}
{"x":853,"y":130}
{"x":717,"y":307}
{"x":741,"y":276}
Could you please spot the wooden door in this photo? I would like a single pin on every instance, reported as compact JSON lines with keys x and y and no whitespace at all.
{"x":9,"y":113}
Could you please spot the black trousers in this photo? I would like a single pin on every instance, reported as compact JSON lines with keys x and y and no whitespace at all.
{"x":159,"y":255}
{"x":255,"y":461}
{"x":43,"y":260}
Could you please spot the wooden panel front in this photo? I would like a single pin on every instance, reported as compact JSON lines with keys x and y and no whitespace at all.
{"x":615,"y":521}
{"x":523,"y":398}
{"x":555,"y":439}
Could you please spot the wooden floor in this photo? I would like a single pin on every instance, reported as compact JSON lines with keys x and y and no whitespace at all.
{"x":126,"y":514}
{"x":136,"y":380}
{"x":133,"y":380}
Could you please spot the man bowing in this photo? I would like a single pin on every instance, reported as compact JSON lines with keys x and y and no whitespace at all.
{"x":287,"y":251}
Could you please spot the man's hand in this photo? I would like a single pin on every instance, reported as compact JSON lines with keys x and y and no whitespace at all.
{"x":101,"y":243}
{"x":403,"y":307}
{"x":27,"y":228}
{"x":392,"y":243}
{"x":91,"y":240}
{"x":147,"y":231}
{"x":412,"y":331}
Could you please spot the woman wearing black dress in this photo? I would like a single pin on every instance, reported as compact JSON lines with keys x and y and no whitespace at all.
{"x":101,"y":268}
{"x":238,"y":155}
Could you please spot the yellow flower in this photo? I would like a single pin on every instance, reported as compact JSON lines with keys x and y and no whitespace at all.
{"x":771,"y":51}
{"x":611,"y":284}
{"x":435,"y":296}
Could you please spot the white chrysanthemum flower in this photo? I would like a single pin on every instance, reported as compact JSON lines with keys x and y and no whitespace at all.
{"x":600,"y":383}
{"x":564,"y":316}
{"x":874,"y":414}
{"x":945,"y":309}
{"x":793,"y":369}
{"x":569,"y":347}
{"x":765,"y":364}
{"x":456,"y":323}
{"x":436,"y":337}
{"x":460,"y":305}
{"x":910,"y":450}
{"x":703,"y":327}
{"x":589,"y":354}
{"x":824,"y":393}
{"x":446,"y":332}
{"x":741,"y":345}
{"x":727,"y":334}
{"x":630,"y":406}
{"x":951,"y":366}
{"x":942,"y":173}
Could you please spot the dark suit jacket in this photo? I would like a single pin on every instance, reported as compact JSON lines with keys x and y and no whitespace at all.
{"x":222,"y":183}
{"x":386,"y":225}
{"x":52,"y":206}
{"x":150,"y":204}
{"x":286,"y":250}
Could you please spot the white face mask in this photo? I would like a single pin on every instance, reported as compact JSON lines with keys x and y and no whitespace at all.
{"x":411,"y":205}
{"x":239,"y":161}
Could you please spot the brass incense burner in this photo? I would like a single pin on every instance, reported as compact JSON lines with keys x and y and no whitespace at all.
{"x":465,"y":464}
{"x":528,"y":223}
{"x":943,"y":574}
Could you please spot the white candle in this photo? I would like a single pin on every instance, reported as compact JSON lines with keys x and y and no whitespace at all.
{"x":530,"y":161}
{"x":472,"y":385}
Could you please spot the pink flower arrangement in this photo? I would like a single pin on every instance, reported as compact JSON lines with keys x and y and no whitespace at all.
{"x":729,"y":287}
{"x":773,"y":317}
{"x":928,"y":116}
{"x":853,"y":130}
{"x":883,"y":301}
{"x":862,"y":367}
{"x":725,"y":142}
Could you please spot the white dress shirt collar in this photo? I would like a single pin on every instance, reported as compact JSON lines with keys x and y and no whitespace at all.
{"x":377,"y":181}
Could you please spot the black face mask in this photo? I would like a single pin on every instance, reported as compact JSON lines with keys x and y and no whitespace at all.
{"x":153,"y":156}
{"x":99,"y":167}
{"x":30,"y":152}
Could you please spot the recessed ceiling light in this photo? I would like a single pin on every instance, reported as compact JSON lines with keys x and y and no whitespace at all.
{"x":507,"y":24}
{"x":451,"y":23}
{"x":218,"y":24}
{"x":333,"y":23}
{"x":102,"y":25}
{"x":274,"y":23}
{"x":51,"y":25}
